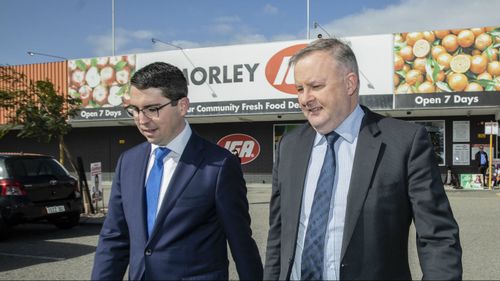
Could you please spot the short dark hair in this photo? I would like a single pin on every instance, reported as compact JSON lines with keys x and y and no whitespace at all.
{"x":164,"y":76}
{"x":338,"y":49}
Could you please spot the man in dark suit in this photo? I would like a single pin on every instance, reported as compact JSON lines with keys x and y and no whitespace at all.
{"x":482,"y":163}
{"x":177,"y":199}
{"x":349,"y":182}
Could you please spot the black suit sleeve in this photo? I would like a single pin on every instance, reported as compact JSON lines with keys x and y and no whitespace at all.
{"x":438,"y":244}
{"x":273,"y":252}
{"x":233,"y":212}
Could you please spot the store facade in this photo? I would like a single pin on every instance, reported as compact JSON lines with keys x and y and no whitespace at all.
{"x":243,"y":97}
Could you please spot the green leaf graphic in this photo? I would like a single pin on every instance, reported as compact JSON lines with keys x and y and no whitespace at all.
{"x":119,"y":66}
{"x":443,"y":86}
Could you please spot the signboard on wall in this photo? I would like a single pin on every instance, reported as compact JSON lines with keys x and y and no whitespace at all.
{"x":457,"y":68}
{"x":491,"y":128}
{"x":233,"y":80}
{"x":447,"y":68}
{"x":261,"y":71}
{"x":102,"y":84}
{"x":461,"y":131}
{"x":244,"y":146}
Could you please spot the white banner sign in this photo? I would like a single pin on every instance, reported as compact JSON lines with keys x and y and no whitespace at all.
{"x":261,"y":72}
{"x":491,"y":128}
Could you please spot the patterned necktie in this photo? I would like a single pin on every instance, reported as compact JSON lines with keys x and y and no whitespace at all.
{"x":153,"y":186}
{"x":314,"y":243}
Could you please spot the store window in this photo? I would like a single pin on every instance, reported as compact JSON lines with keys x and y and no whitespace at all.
{"x":436,"y":130}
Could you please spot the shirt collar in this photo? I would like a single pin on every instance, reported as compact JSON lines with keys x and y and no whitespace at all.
{"x":178,"y":144}
{"x":348,"y":129}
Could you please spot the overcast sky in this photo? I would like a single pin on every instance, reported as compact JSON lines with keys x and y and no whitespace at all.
{"x":82,"y":28}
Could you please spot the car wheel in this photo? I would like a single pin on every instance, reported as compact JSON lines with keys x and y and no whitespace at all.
{"x":67,"y":222}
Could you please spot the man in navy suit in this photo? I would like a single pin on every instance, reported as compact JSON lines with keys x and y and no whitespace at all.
{"x":182,"y":232}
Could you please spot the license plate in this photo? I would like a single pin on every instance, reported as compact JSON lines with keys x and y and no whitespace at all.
{"x":55,"y":209}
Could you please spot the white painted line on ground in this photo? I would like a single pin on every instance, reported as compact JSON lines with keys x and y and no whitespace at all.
{"x":32,"y":257}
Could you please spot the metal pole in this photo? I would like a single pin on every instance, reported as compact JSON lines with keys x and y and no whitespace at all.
{"x":308,"y":28}
{"x":46,"y":55}
{"x":316,"y":24}
{"x":491,"y":157}
{"x":113,"y":26}
{"x":154,"y":40}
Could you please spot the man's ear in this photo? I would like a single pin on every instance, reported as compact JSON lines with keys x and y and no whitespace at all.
{"x":184,"y":105}
{"x":352,"y":83}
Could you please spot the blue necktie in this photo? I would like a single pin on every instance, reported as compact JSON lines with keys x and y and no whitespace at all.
{"x":314,"y":243}
{"x":153,"y":186}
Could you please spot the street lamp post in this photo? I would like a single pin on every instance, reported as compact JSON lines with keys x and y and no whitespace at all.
{"x":46,"y":55}
{"x":307,"y":19}
{"x":155,"y":40}
{"x":113,"y":27}
{"x":316,"y":25}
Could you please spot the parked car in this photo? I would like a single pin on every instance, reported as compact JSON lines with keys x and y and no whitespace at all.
{"x":36,"y":187}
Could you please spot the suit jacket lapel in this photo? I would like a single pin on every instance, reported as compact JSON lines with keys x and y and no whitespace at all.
{"x":365,"y":159}
{"x":187,"y":166}
{"x":137,"y":180}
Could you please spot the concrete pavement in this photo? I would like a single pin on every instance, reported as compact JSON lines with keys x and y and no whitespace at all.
{"x":258,"y":193}
{"x":476,"y":212}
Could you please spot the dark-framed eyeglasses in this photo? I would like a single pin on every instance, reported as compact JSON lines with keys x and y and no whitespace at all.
{"x":149,"y":111}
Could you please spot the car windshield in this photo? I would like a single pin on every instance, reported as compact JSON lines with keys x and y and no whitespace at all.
{"x":31,"y":167}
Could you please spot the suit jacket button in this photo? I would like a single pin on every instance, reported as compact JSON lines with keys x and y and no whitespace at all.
{"x":148,"y":252}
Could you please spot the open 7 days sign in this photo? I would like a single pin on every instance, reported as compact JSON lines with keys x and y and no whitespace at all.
{"x":443,"y":100}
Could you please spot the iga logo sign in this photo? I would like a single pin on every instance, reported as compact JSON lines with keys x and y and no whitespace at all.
{"x":278,"y":73}
{"x":248,"y":148}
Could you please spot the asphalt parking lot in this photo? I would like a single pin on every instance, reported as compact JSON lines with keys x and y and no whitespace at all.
{"x":43,"y":252}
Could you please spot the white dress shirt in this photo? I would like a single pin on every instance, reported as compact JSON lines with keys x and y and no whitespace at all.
{"x":345,"y":149}
{"x":177,"y":146}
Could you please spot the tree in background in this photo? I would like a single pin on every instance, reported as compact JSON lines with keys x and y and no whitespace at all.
{"x":36,"y":109}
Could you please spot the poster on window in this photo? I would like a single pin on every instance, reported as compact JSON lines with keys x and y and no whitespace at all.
{"x":461,"y":154}
{"x":461,"y":131}
{"x":96,"y":173}
{"x":436,"y":131}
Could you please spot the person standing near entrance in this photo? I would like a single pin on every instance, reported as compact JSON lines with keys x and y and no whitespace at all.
{"x":177,"y":200}
{"x":349,"y":182}
{"x":482,"y":162}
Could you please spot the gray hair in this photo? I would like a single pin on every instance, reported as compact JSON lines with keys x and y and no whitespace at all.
{"x":338,"y":49}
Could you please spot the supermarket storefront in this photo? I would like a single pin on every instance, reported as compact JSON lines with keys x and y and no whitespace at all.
{"x":243,"y":97}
